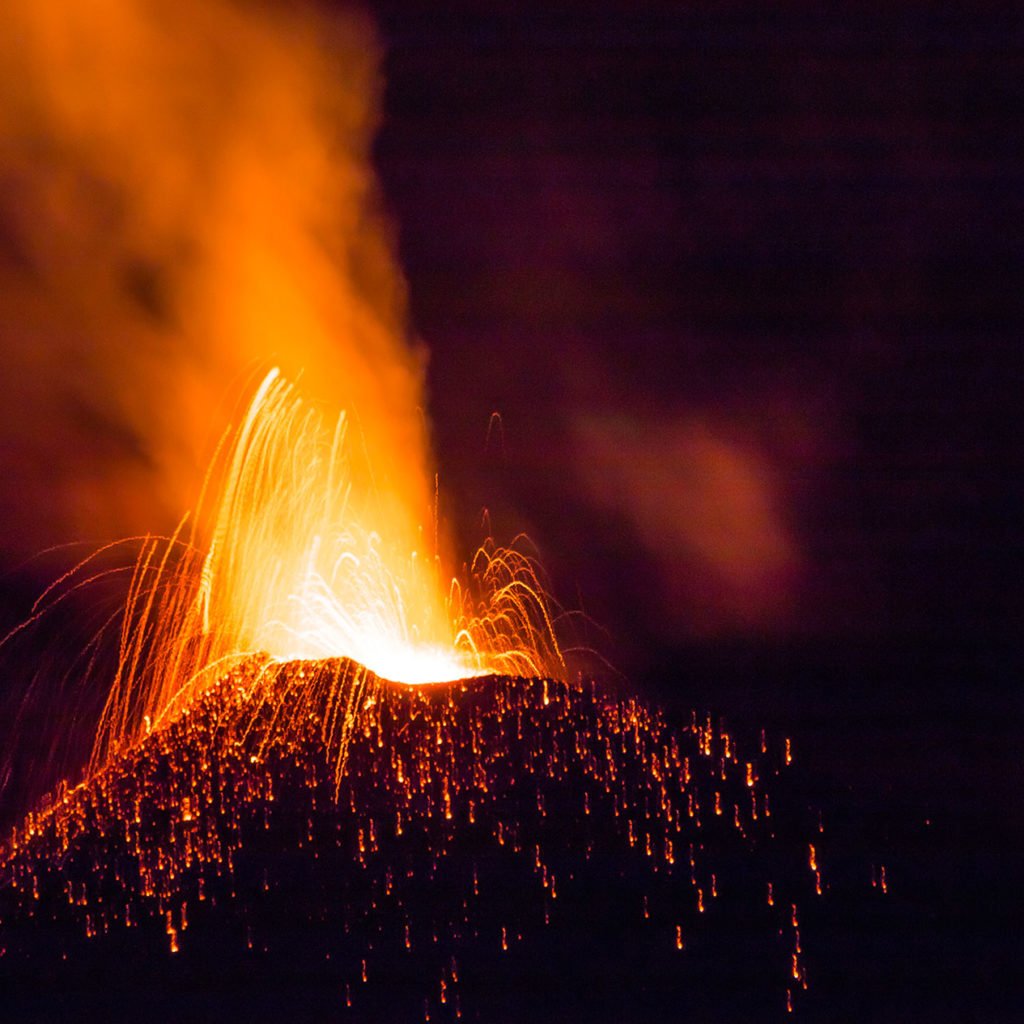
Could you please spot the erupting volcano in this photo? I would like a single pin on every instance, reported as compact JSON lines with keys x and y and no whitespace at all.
{"x":265,"y":774}
{"x":332,"y":769}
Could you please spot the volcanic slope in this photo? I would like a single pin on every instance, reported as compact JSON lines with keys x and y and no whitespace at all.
{"x":307,"y":841}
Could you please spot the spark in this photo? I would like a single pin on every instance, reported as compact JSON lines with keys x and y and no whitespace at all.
{"x":305,"y":563}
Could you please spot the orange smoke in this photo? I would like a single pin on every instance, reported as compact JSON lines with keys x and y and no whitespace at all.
{"x":185,"y":200}
{"x":707,"y":507}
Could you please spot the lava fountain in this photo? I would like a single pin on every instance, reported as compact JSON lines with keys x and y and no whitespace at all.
{"x":303,"y":565}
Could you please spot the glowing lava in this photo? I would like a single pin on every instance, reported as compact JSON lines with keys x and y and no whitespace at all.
{"x":421,"y":833}
{"x":301,"y":569}
{"x":307,"y":561}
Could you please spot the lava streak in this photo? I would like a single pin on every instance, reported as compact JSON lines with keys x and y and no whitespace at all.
{"x":305,"y":562}
{"x":468,"y":816}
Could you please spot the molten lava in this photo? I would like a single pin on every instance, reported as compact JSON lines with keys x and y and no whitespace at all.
{"x":423,"y":836}
{"x":304,"y":563}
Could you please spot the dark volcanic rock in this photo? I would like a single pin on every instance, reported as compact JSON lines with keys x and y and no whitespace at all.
{"x":310,"y":842}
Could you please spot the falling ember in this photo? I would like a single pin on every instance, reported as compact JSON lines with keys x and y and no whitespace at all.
{"x":458,"y":806}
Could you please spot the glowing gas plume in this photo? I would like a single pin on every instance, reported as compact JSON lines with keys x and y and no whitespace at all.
{"x":306,"y":563}
{"x":187,"y":199}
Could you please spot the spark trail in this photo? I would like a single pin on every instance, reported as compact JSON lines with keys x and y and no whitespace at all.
{"x":469,"y":815}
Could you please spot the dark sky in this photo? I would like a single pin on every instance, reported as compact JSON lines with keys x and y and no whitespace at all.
{"x":744,"y":285}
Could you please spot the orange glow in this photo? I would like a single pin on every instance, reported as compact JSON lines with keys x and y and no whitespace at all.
{"x":709,"y":506}
{"x":305,"y":563}
{"x":192,"y":184}
{"x":399,"y":760}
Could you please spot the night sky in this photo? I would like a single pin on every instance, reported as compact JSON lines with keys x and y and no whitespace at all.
{"x":790,"y":235}
{"x":744,"y":285}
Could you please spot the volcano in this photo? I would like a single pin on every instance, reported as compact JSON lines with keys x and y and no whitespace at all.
{"x":307,"y":840}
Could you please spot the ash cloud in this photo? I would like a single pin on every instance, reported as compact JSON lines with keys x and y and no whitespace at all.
{"x":708,"y":506}
{"x":186,"y":199}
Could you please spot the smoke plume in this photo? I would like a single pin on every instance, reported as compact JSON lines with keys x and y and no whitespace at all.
{"x":186,"y":199}
{"x":707,"y":506}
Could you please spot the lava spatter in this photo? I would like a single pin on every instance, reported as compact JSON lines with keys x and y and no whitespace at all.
{"x":411,"y":840}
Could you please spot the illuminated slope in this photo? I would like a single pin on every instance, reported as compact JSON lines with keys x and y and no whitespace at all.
{"x":493,"y":847}
{"x":295,"y":552}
